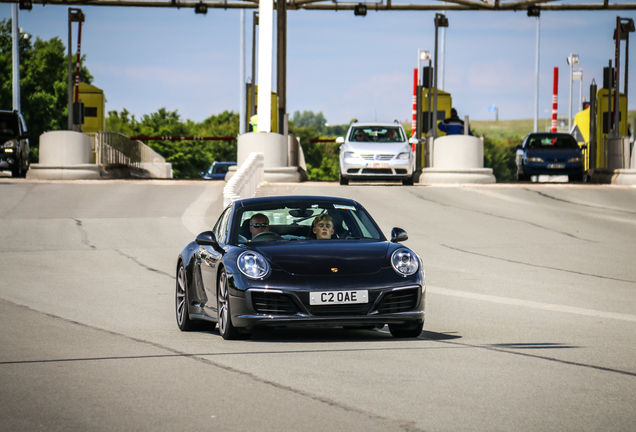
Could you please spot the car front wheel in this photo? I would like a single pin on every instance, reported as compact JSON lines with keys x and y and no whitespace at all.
{"x":343,"y":180}
{"x":181,"y":300}
{"x":226,"y":328}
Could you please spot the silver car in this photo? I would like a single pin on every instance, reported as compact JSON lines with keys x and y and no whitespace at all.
{"x":376,"y":151}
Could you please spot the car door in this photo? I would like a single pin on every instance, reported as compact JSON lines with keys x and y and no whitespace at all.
{"x":209,"y":260}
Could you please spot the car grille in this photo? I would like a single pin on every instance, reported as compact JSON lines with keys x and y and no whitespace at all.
{"x":380,"y":157}
{"x":378,"y":171}
{"x":398,"y":301}
{"x":273,"y":303}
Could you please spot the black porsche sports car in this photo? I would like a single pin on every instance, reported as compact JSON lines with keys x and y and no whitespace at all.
{"x":299,"y":261}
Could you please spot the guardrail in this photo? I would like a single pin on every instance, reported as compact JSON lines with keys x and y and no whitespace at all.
{"x":246,"y":180}
{"x":111,"y":148}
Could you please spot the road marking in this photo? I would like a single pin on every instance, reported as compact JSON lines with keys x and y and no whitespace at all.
{"x":532,"y":304}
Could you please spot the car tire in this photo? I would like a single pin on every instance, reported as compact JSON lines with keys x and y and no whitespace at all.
{"x":406,"y":330}
{"x":181,"y":300}
{"x":343,"y":180}
{"x":522,"y":177}
{"x":226,"y":328}
{"x":407,"y":181}
{"x":575,"y":178}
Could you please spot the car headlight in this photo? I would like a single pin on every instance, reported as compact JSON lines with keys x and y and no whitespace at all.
{"x":253,"y":265}
{"x":535,"y":159}
{"x":9,"y":144}
{"x":404,"y":156}
{"x":404,"y":262}
{"x":349,"y":154}
{"x":574,"y":159}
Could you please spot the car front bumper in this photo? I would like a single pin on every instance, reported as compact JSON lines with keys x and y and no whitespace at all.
{"x":539,"y":168}
{"x":363,"y":168}
{"x":281,"y":308}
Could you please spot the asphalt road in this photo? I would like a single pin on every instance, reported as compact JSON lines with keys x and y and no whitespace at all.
{"x":530,"y":318}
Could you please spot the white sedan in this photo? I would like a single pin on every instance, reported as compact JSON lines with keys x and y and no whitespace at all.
{"x":376,"y":151}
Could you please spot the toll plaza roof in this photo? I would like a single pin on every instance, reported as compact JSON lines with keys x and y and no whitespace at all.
{"x":532,"y":6}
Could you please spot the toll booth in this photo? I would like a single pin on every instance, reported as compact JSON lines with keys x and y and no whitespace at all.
{"x":604,"y":122}
{"x":444,"y":105}
{"x":274,"y":104}
{"x":94,"y":108}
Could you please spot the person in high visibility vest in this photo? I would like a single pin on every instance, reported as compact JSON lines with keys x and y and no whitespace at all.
{"x":254,"y":121}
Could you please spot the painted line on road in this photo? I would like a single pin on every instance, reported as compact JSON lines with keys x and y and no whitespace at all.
{"x":531,"y":304}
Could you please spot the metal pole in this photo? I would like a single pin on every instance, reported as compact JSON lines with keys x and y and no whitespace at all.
{"x":429,"y":85}
{"x":253,"y":87}
{"x":593,"y":126}
{"x":281,"y":68}
{"x":555,"y":99}
{"x":617,"y":114}
{"x":570,"y":105}
{"x":536,"y":78}
{"x":433,"y":124}
{"x":242,"y":95}
{"x":70,"y":73}
{"x":443,"y":55}
{"x":15,"y":36}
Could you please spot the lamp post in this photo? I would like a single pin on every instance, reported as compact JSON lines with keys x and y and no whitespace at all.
{"x":577,"y":75}
{"x":440,"y":21}
{"x":535,"y":11}
{"x":573,"y":60}
{"x":74,"y":15}
{"x":424,"y":55}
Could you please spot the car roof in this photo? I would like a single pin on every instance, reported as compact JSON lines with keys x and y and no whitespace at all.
{"x":223,"y":163}
{"x":358,"y":124}
{"x":295,"y":200}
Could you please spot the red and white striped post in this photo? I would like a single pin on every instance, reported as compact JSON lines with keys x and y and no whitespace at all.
{"x":414,"y":121}
{"x":555,"y":99}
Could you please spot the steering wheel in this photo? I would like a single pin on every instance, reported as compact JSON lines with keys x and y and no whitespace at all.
{"x":266,"y":236}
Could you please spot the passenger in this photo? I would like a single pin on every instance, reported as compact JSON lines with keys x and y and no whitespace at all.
{"x":258,"y":223}
{"x":453,"y":125}
{"x":323,"y":227}
{"x":389,"y":136}
{"x":361,"y":136}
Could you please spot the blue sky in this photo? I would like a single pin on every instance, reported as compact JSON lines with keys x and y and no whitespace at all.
{"x":338,"y":64}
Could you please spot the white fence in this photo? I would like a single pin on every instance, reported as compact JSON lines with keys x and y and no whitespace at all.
{"x":114,"y":148}
{"x":246,"y":180}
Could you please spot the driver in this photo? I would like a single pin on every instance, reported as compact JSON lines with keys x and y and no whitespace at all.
{"x":323,"y":227}
{"x":258,"y":223}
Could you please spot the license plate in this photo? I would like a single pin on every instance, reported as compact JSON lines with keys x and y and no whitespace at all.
{"x":556,"y":166}
{"x":378,"y":165}
{"x":338,"y":297}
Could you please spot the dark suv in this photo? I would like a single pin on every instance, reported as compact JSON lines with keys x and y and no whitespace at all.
{"x":14,"y":143}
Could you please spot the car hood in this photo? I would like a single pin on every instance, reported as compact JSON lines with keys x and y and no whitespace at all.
{"x":553,"y":153}
{"x":377,"y":147}
{"x":328,"y":257}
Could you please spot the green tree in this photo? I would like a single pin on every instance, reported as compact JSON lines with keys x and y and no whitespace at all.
{"x":308,"y":119}
{"x":43,"y":81}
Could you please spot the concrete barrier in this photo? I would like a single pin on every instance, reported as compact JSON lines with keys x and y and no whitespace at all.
{"x":64,"y":155}
{"x":456,"y":159}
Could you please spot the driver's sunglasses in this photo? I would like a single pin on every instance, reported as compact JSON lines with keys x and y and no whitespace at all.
{"x":259,"y":225}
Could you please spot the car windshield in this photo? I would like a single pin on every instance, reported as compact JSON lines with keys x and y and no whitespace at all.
{"x":552,"y":141}
{"x":296,"y":222}
{"x":8,"y":126}
{"x":218,"y":169}
{"x":377,"y":134}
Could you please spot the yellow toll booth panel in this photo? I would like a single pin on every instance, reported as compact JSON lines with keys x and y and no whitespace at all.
{"x":94,"y":108}
{"x":274,"y":123}
{"x":604,"y":124}
{"x":444,"y":105}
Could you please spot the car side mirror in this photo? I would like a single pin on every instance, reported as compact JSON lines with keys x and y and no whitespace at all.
{"x":340,"y":140}
{"x":584,"y":147}
{"x":414,"y":140}
{"x":207,"y":238}
{"x":398,"y":235}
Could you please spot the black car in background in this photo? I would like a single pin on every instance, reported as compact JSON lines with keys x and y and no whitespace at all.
{"x":550,"y":154}
{"x":217,"y":170}
{"x":14,"y":143}
{"x":243,"y":280}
